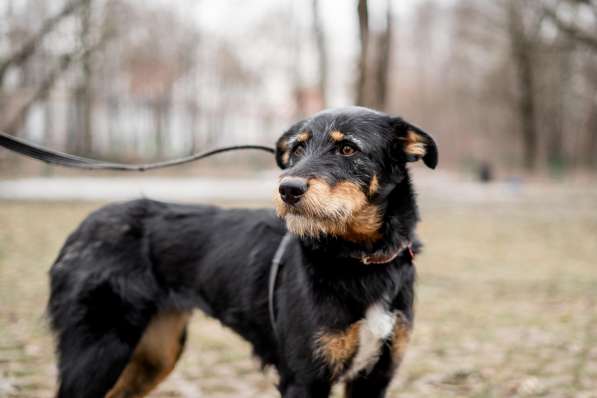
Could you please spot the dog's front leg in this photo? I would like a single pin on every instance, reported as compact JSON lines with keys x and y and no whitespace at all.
{"x":375,"y":383}
{"x":309,"y":389}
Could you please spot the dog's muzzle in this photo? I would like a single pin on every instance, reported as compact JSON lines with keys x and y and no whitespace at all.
{"x":292,"y":189}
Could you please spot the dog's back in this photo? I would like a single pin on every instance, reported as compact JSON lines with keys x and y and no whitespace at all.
{"x":130,"y":275}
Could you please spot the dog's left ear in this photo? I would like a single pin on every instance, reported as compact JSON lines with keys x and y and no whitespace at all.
{"x":416,"y":143}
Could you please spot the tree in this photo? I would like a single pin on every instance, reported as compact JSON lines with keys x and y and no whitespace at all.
{"x":363,"y":14}
{"x":82,"y":134}
{"x":374,"y":58}
{"x":574,"y":31}
{"x":25,"y":51}
{"x":321,"y":51}
{"x":523,"y":41}
{"x":384,"y":56}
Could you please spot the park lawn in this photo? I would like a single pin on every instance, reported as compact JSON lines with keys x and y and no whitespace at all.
{"x":506,"y":307}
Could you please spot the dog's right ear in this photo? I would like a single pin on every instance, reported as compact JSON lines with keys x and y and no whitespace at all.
{"x":282,"y":147}
{"x":283,"y":151}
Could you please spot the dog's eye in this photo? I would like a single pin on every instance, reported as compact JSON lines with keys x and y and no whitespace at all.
{"x":299,"y":151}
{"x":347,"y":150}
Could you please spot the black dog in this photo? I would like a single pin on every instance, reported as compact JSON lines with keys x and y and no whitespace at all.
{"x":126,"y":281}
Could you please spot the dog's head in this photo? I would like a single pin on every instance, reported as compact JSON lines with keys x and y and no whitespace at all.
{"x":340,"y":167}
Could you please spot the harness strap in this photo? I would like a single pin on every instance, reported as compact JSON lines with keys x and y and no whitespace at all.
{"x":66,"y":160}
{"x":273,"y":277}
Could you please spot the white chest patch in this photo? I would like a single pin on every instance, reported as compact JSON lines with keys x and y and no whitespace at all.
{"x":377,"y":326}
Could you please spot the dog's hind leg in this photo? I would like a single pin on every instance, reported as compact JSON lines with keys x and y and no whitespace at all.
{"x":89,"y":366}
{"x":154,"y":357}
{"x":96,"y":332}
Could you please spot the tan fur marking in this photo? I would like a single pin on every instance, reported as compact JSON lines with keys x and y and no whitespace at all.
{"x":286,"y":158}
{"x":401,"y":337}
{"x":337,"y":136}
{"x":373,"y":186}
{"x":303,"y":137}
{"x":415,"y":144}
{"x":283,"y":145}
{"x":365,"y":225}
{"x":342,"y":210}
{"x":338,"y":347}
{"x":154,"y":357}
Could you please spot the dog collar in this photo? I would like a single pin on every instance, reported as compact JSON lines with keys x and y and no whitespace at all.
{"x":385,"y":259}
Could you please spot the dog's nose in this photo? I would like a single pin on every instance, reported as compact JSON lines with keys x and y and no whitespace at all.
{"x":292,"y":189}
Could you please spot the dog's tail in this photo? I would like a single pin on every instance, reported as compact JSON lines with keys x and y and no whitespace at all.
{"x":103,"y":294}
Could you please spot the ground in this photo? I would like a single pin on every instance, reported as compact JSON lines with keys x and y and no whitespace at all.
{"x":506,"y":304}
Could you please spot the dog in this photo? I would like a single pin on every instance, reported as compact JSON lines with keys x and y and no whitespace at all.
{"x":127,"y":279}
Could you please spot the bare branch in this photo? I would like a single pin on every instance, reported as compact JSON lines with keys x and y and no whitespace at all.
{"x":44,"y":88}
{"x":28,"y":49}
{"x":574,"y":32}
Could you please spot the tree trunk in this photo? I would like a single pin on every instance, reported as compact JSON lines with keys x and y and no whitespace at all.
{"x":526,"y":107}
{"x":363,"y":56}
{"x":383,"y":62}
{"x":321,"y":52}
{"x":160,"y":117}
{"x":85,"y":134}
{"x":555,"y":141}
{"x":591,"y":145}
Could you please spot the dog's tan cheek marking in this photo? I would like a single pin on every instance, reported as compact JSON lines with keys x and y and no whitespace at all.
{"x":154,"y":357}
{"x":415,"y":144}
{"x":349,"y":192}
{"x":365,"y":220}
{"x":373,"y":186}
{"x":401,"y":337}
{"x":337,"y":136}
{"x":365,"y":225}
{"x":337,"y":348}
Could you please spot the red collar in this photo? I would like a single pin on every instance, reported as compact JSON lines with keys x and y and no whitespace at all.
{"x":385,"y":259}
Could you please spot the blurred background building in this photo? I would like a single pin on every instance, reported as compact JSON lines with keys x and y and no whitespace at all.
{"x":507,"y":83}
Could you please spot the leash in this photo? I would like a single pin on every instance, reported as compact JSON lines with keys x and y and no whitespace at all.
{"x":273,"y":277}
{"x":51,"y":156}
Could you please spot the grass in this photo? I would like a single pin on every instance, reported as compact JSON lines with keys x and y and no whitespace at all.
{"x":507,"y":307}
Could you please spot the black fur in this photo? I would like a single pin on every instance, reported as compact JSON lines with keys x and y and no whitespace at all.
{"x":126,"y":262}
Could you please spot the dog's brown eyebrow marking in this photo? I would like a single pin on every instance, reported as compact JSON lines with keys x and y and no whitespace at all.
{"x":303,"y":137}
{"x":337,"y":136}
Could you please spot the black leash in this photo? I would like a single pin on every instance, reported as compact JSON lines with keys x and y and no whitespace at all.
{"x":66,"y":160}
{"x":273,"y":277}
